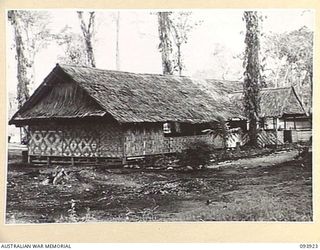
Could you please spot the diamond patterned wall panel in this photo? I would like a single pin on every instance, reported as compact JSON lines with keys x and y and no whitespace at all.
{"x":44,"y":142}
{"x":96,"y":140}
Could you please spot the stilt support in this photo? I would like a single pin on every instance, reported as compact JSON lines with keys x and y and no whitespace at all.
{"x":124,"y":160}
{"x":72,"y":161}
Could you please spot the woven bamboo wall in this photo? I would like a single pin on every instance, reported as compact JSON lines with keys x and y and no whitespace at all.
{"x":77,"y":140}
{"x":142,"y":140}
{"x":176,"y":144}
{"x":106,"y":140}
{"x":111,"y":143}
{"x":150,"y":140}
{"x":301,"y":135}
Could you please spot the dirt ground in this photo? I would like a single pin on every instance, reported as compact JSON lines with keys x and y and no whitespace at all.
{"x":276,"y":187}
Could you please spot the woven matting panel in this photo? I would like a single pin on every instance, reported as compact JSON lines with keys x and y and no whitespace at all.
{"x":96,"y":140}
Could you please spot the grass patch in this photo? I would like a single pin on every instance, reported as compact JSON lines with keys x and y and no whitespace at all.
{"x":263,"y":208}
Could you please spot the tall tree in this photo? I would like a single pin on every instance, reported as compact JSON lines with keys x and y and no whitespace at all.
{"x":174,"y":30}
{"x":74,"y":50}
{"x":31,"y":34}
{"x":165,"y":45}
{"x":290,"y":61}
{"x":88,"y":32}
{"x":294,"y":49}
{"x":23,"y":62}
{"x":117,"y":41}
{"x":181,"y":25}
{"x":252,"y":74}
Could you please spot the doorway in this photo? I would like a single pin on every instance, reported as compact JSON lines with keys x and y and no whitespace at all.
{"x":287,"y":136}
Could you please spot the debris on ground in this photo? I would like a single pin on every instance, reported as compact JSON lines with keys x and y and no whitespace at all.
{"x":56,"y":177}
{"x":303,"y":152}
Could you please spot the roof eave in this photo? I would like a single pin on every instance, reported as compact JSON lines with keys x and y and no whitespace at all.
{"x":25,"y":121}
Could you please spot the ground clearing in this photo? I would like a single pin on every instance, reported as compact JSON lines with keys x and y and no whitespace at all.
{"x":273,"y":188}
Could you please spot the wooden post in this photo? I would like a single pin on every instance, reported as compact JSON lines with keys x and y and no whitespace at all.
{"x":262,"y":122}
{"x":123,"y":142}
{"x":276,"y":127}
{"x":285,"y":124}
{"x":238,"y":147}
{"x":124,"y":160}
{"x":72,"y":161}
{"x":29,"y":159}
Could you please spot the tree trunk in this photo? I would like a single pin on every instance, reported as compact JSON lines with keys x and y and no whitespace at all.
{"x":276,"y":78}
{"x":286,"y":76}
{"x":22,"y":62}
{"x":310,"y":73}
{"x":165,"y":46}
{"x":117,"y":42}
{"x":179,"y":59}
{"x":87,"y":31}
{"x":24,"y":75}
{"x":252,"y":76}
{"x":90,"y":54}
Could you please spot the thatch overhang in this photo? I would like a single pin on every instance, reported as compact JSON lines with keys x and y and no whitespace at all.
{"x":57,"y":98}
{"x":127,"y":97}
{"x":274,"y":102}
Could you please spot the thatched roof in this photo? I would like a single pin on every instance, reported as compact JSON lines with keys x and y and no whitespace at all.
{"x":224,"y":86}
{"x":127,"y":97}
{"x":275,"y":102}
{"x":63,"y":101}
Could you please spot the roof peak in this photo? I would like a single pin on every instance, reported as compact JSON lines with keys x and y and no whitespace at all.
{"x":275,"y":88}
{"x":62,"y":65}
{"x":265,"y":89}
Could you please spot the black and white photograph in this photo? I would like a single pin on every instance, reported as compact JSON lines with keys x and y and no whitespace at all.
{"x":159,"y":115}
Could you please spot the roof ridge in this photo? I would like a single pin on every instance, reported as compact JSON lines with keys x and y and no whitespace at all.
{"x":220,"y":80}
{"x":276,"y":88}
{"x":117,"y":71}
{"x":145,"y":74}
{"x":264,"y":89}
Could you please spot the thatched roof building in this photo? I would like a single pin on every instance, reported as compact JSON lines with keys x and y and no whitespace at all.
{"x":82,"y":112}
{"x":127,"y":97}
{"x":281,"y":113}
{"x":274,"y":102}
{"x":87,"y":112}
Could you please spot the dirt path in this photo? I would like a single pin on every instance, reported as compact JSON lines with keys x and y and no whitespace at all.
{"x":261,"y":161}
